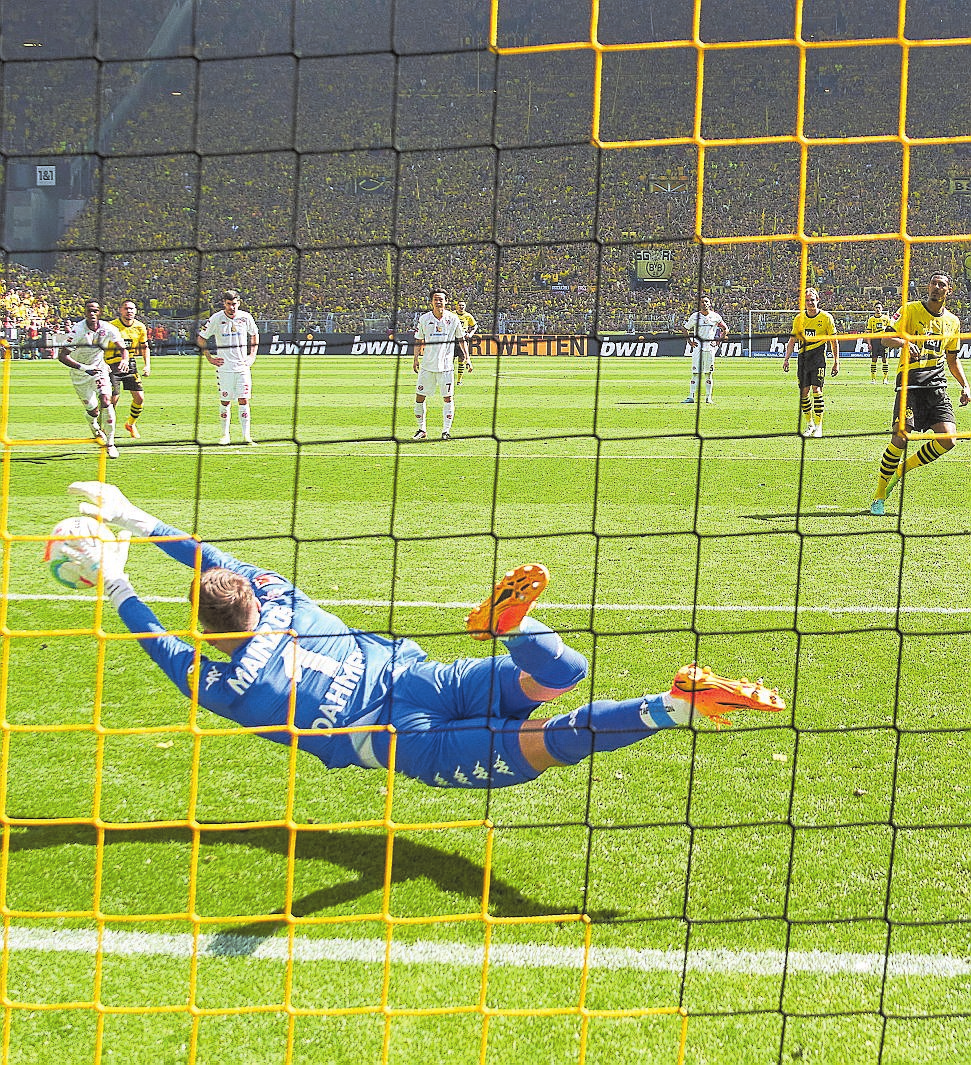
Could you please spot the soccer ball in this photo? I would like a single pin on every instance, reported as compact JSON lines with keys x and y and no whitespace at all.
{"x":76,"y":534}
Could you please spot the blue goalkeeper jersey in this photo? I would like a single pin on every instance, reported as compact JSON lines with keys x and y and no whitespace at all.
{"x":333,"y":676}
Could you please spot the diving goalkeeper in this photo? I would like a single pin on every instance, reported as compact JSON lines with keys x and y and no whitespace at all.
{"x":301,"y":673}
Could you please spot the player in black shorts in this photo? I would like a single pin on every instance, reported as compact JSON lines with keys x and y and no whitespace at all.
{"x":123,"y":379}
{"x":124,"y":371}
{"x":926,"y":407}
{"x":929,"y":339}
{"x":811,"y":367}
{"x":878,"y":322}
{"x":463,"y":360}
{"x":814,"y":331}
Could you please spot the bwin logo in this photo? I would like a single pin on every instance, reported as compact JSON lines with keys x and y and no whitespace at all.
{"x":377,"y":347}
{"x":633,"y":348}
{"x":311,"y":346}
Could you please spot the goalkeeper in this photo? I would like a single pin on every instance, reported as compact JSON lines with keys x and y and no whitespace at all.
{"x":301,"y":673}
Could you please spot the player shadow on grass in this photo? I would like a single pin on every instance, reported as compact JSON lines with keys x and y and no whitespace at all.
{"x":366,"y":853}
{"x":363,"y":853}
{"x":817,"y":515}
{"x":42,"y":460}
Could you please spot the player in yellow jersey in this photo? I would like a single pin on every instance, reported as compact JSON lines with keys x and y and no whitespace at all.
{"x":878,"y":322}
{"x":928,"y":337}
{"x":470,"y":325}
{"x":813,"y":330}
{"x":124,"y":372}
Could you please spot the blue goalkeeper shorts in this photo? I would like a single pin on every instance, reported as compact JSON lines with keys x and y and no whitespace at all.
{"x":457,"y":724}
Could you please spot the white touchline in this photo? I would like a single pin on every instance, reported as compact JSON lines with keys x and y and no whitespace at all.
{"x":646,"y":608}
{"x":526,"y":956}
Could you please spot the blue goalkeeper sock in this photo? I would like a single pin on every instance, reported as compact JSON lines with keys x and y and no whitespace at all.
{"x":606,"y":725}
{"x":541,"y":652}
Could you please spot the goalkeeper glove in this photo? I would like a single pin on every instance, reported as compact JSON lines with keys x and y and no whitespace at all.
{"x":108,"y":504}
{"x":106,"y":553}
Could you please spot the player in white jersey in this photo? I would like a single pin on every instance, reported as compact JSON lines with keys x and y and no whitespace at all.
{"x":84,"y":356}
{"x":704,"y":329}
{"x":436,"y":336}
{"x":236,"y":342}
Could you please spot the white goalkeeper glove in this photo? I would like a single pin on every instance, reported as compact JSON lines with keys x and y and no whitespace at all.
{"x":108,"y":504}
{"x":107,"y":554}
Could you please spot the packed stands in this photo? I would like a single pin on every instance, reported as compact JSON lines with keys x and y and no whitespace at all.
{"x":342,"y":197}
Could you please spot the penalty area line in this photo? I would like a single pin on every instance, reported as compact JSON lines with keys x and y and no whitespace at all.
{"x":527,"y":956}
{"x":633,"y":608}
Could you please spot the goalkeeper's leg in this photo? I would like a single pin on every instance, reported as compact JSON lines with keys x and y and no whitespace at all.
{"x":489,"y":751}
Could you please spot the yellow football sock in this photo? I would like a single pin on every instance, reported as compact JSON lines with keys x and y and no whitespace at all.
{"x":888,"y":467}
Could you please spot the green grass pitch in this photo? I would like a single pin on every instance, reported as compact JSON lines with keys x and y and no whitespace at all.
{"x":799,"y":883}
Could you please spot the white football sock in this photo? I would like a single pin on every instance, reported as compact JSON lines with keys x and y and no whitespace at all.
{"x":109,"y":417}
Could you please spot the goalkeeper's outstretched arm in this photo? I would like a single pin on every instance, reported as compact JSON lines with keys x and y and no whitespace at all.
{"x":110,"y":505}
{"x":178,"y":659}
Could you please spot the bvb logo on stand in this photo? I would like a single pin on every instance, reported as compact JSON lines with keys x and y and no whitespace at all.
{"x":653,"y":264}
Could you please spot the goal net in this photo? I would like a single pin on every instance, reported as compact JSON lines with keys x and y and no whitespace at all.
{"x":793,"y":888}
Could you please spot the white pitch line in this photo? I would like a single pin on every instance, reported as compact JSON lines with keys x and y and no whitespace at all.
{"x":645,"y":608}
{"x":512,"y":450}
{"x":527,"y":956}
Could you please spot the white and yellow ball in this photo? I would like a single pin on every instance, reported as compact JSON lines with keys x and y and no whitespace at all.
{"x":74,"y":551}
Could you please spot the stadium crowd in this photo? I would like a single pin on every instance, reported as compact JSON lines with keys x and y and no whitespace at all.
{"x":478,"y":173}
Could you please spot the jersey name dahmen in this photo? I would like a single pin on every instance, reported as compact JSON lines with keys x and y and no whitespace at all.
{"x":302,"y":666}
{"x":439,"y":336}
{"x":232,"y":338}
